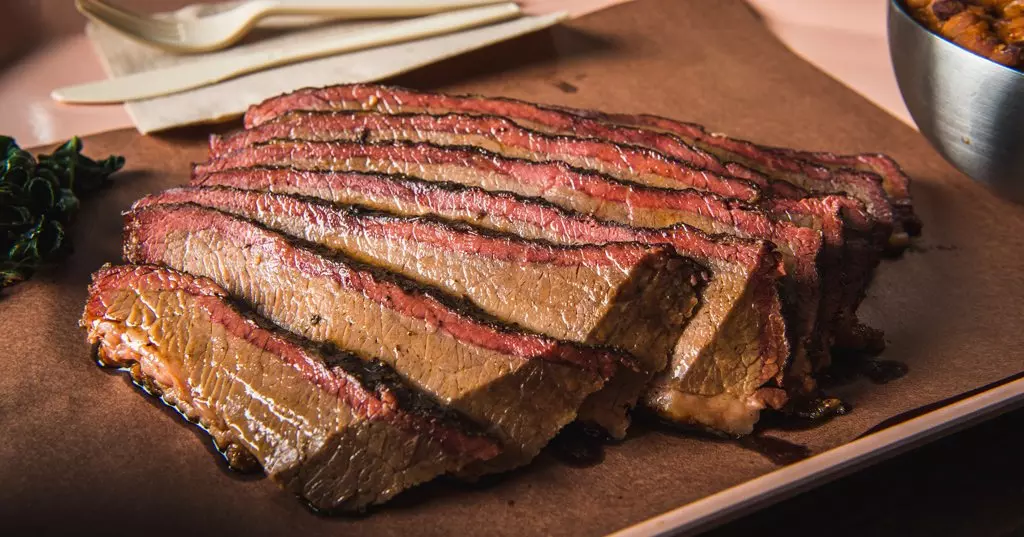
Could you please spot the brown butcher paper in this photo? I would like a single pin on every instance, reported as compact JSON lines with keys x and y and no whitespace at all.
{"x":83,"y":452}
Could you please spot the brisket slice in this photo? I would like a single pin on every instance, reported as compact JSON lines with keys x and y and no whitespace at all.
{"x":851,"y":254}
{"x":687,"y":142}
{"x":732,"y":347}
{"x":894,"y":179}
{"x":495,"y":134}
{"x":396,"y":100}
{"x":843,"y":292}
{"x":338,"y":431}
{"x":522,"y":386}
{"x":582,"y":191}
{"x":869,"y":188}
{"x":629,"y":295}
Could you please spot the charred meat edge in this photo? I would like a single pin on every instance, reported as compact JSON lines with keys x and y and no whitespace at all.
{"x":496,"y":244}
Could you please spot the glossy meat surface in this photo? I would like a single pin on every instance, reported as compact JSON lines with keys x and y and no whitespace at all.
{"x":523,"y":387}
{"x":341,"y":433}
{"x":732,"y":347}
{"x":632,"y":296}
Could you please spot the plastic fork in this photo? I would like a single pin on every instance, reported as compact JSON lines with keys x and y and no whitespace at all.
{"x":220,"y":30}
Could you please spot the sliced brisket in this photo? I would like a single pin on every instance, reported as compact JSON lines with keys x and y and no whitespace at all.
{"x":583,"y":191}
{"x":498,"y":135}
{"x":629,"y":295}
{"x":395,"y":100}
{"x":851,"y":255}
{"x":731,"y":348}
{"x":690,"y":143}
{"x":340,"y":432}
{"x":524,"y":387}
{"x":624,"y":162}
{"x":894,"y":179}
{"x":869,"y":188}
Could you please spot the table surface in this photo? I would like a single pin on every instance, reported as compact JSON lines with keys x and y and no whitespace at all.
{"x":968,"y":484}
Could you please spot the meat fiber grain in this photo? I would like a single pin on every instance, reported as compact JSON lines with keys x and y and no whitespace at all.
{"x":634,"y":296}
{"x":340,"y":432}
{"x":524,"y":387}
{"x":726,"y":360}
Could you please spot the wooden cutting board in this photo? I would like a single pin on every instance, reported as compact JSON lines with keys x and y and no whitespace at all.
{"x":84,"y":452}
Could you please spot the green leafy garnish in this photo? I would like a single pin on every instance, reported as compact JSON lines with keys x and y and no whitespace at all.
{"x":38,"y":199}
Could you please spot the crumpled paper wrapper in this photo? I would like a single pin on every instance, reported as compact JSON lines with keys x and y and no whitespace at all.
{"x":84,"y":452}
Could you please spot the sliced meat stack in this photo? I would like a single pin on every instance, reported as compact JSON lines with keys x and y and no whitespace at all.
{"x":733,"y":346}
{"x":874,"y":179}
{"x":578,"y":190}
{"x":439,"y":284}
{"x":633,"y":296}
{"x":523,"y":386}
{"x":340,"y":431}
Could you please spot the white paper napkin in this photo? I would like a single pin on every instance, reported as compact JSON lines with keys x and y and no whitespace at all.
{"x":122,"y":56}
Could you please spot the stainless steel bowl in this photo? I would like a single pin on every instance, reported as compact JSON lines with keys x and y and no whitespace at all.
{"x":969,"y":107}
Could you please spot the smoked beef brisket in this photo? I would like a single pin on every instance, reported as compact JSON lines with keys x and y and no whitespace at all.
{"x":587,"y":192}
{"x":853,"y":239}
{"x":497,"y":135}
{"x":731,"y":348}
{"x":340,"y":432}
{"x":866,"y":187}
{"x":372,"y":286}
{"x":507,"y":139}
{"x":396,"y":100}
{"x":690,"y":143}
{"x":629,"y":295}
{"x":523,"y":387}
{"x":894,"y":179}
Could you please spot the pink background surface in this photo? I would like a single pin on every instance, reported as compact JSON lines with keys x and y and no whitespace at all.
{"x":844,"y":38}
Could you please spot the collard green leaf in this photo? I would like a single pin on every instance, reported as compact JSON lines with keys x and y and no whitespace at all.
{"x":42,"y":197}
{"x":38,"y":199}
{"x":15,"y":216}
